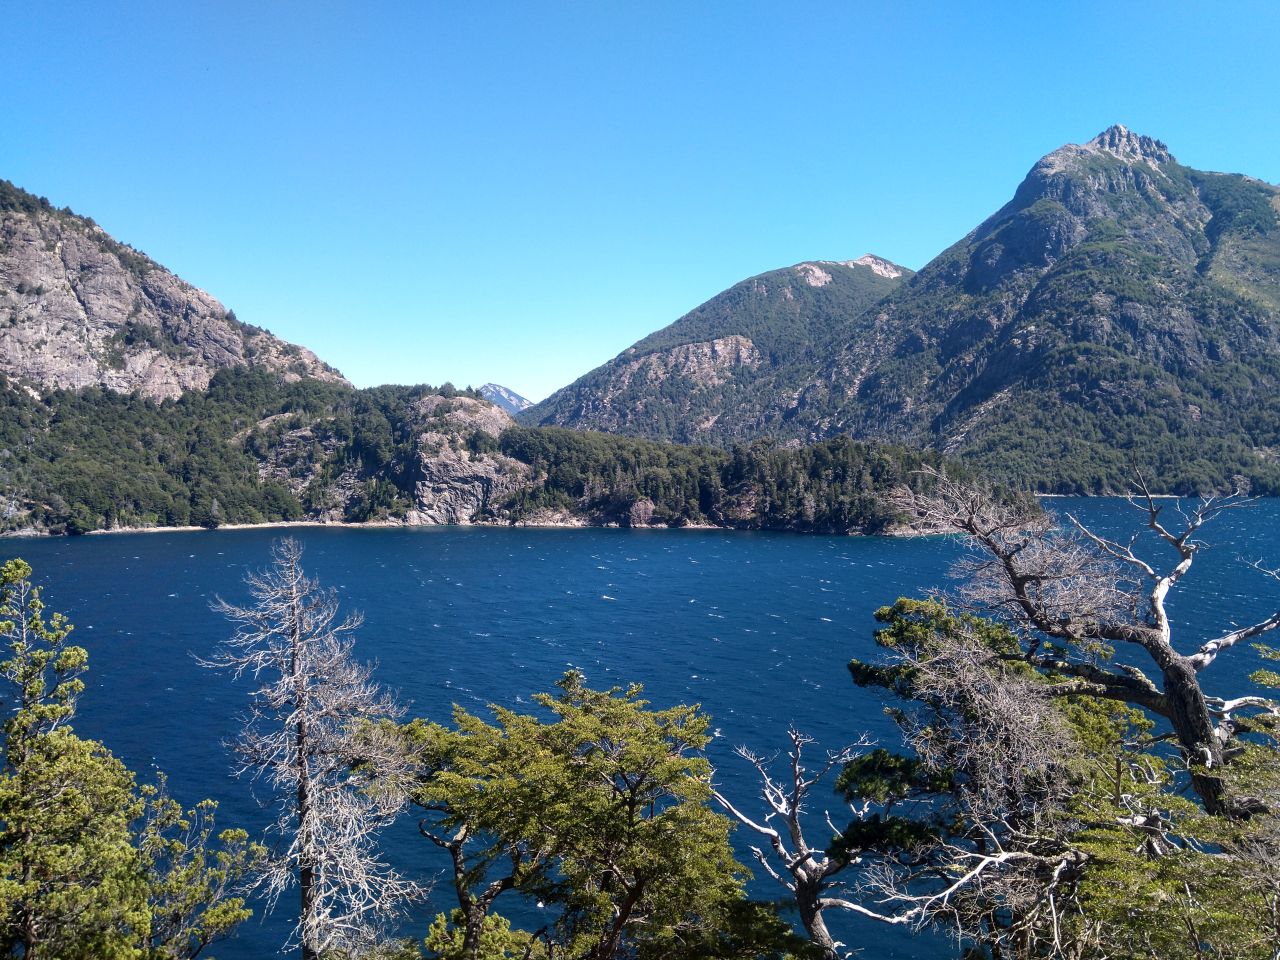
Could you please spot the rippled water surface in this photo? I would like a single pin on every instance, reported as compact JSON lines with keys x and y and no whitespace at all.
{"x":758,"y":628}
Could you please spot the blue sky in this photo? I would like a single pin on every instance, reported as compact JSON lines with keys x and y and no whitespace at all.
{"x":515,"y":192}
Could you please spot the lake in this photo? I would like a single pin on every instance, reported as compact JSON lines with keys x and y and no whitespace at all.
{"x":756,"y":627}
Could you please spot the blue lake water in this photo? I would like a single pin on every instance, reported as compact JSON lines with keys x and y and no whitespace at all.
{"x":756,"y":627}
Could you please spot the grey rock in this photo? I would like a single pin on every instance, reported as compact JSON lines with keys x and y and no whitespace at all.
{"x":78,"y":309}
{"x":505,"y":398}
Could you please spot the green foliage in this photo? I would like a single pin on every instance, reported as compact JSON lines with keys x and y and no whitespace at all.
{"x":601,"y":812}
{"x":497,"y":940}
{"x":836,"y":486}
{"x":1138,"y":870}
{"x":885,"y":778}
{"x":779,"y":312}
{"x":748,"y":930}
{"x":194,"y":873}
{"x":94,"y":459}
{"x":253,"y":449}
{"x":91,"y":866}
{"x":71,"y":884}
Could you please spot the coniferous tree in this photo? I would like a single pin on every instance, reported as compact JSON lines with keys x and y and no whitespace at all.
{"x":599,"y":813}
{"x":91,"y":866}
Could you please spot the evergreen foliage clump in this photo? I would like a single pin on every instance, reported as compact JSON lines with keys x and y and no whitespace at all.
{"x":92,"y":867}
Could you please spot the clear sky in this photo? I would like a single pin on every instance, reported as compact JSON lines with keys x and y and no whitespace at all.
{"x":516,"y":191}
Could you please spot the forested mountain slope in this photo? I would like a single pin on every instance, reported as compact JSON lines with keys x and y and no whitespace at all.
{"x":1119,"y":312}
{"x":252,"y":448}
{"x":680,"y":382}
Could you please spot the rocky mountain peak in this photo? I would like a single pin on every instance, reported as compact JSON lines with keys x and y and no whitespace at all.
{"x":1117,"y":142}
{"x":505,"y":397}
{"x":1122,"y":142}
{"x":813,"y":274}
{"x":878,"y":265}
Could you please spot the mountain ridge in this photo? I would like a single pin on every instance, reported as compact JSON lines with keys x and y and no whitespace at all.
{"x":1120,"y":311}
{"x":718,"y":352}
{"x":505,"y":397}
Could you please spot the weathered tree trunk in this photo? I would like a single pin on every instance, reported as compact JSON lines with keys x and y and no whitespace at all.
{"x":306,"y":864}
{"x":306,"y":868}
{"x":473,"y":914}
{"x":811,"y":919}
{"x":1200,"y":745}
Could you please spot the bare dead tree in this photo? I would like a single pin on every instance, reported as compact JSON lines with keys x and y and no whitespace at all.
{"x":986,"y":729}
{"x":1074,"y":597}
{"x":996,"y":729}
{"x":306,"y":732}
{"x":808,"y":873}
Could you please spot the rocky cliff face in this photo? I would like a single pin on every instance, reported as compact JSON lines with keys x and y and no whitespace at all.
{"x":449,"y":478}
{"x":454,"y":483}
{"x":505,"y":398}
{"x":79,"y":309}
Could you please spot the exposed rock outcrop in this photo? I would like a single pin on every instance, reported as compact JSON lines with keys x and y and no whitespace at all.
{"x":78,"y":309}
{"x":505,"y":397}
{"x":453,"y":483}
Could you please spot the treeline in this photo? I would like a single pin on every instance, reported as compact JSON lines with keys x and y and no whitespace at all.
{"x":255,"y":449}
{"x":836,"y":486}
{"x":76,"y":461}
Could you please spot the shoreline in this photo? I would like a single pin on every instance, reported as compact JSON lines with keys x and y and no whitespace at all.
{"x":527,"y":524}
{"x":392,"y":524}
{"x":549,"y":523}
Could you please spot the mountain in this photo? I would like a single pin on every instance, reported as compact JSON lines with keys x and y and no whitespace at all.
{"x":682,"y":381}
{"x":1121,"y":311}
{"x":79,"y":309}
{"x":130,"y":399}
{"x":505,"y":398}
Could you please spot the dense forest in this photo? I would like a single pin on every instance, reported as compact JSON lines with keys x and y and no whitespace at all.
{"x":254,"y":448}
{"x":832,"y":487}
{"x":79,"y":461}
